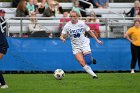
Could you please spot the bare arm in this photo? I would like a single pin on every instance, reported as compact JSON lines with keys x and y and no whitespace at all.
{"x":63,"y":37}
{"x":128,"y":37}
{"x":93,"y":35}
{"x":98,"y":5}
{"x":106,"y":5}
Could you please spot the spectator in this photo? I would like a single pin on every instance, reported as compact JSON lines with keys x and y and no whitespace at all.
{"x":101,"y":3}
{"x":92,"y":22}
{"x":134,"y":10}
{"x":36,"y":6}
{"x":30,"y":6}
{"x":50,"y":11}
{"x":58,"y":8}
{"x":43,"y":6}
{"x":63,"y":21}
{"x":21,"y":9}
{"x":76,"y":7}
{"x":138,"y":16}
{"x":35,"y":28}
{"x":133,"y":35}
{"x":15,"y":3}
{"x":53,"y":9}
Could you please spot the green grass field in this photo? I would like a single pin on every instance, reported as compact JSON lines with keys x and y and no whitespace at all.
{"x":73,"y":83}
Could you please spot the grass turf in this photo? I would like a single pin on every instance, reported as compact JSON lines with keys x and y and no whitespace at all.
{"x":73,"y":83}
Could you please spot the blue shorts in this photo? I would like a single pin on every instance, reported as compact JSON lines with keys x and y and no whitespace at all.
{"x":3,"y":50}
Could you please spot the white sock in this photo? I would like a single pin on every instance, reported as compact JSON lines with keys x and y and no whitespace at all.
{"x":89,"y":70}
{"x":132,"y":71}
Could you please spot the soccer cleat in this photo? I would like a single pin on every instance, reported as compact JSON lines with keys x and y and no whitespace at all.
{"x":95,"y":77}
{"x":4,"y":86}
{"x":93,"y":61}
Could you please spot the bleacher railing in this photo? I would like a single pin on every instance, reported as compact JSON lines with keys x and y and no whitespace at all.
{"x":113,"y":27}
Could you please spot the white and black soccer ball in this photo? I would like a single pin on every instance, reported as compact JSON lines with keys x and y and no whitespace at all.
{"x":59,"y":74}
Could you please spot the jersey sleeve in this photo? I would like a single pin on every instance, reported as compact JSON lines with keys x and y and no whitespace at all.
{"x":86,"y":28}
{"x":65,"y":29}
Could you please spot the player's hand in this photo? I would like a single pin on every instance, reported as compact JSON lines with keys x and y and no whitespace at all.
{"x":100,"y":42}
{"x":63,"y":39}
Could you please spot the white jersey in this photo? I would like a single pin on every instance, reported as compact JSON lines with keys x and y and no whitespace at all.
{"x":76,"y":33}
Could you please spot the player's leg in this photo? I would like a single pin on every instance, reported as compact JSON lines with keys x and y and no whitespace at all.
{"x":87,"y":52}
{"x":138,"y":56}
{"x":2,"y":81}
{"x":134,"y":58}
{"x":80,"y":59}
{"x":88,"y":58}
{"x":87,"y":68}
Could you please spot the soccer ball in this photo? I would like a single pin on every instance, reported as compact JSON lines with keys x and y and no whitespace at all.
{"x":59,"y":74}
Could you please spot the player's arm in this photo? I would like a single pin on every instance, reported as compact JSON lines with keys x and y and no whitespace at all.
{"x":126,"y":35}
{"x":87,"y":28}
{"x":63,"y":37}
{"x":93,"y":35}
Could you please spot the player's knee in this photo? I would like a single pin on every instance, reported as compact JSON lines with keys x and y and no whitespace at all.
{"x":82,"y":62}
{"x":88,"y":58}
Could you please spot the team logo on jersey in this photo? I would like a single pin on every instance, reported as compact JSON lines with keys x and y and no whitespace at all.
{"x":73,"y":31}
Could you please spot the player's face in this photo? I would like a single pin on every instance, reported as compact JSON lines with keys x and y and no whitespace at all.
{"x":74,"y":17}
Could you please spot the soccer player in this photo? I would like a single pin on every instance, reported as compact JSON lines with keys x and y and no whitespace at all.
{"x":80,"y":44}
{"x":3,"y":47}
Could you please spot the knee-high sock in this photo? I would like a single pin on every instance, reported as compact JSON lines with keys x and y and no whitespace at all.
{"x":88,"y":58}
{"x":89,"y":70}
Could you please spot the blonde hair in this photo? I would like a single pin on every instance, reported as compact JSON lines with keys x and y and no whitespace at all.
{"x":137,"y":1}
{"x":75,"y":2}
{"x":77,"y":14}
{"x":92,"y":13}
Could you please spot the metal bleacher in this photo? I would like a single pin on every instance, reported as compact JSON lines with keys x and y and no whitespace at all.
{"x":113,"y":18}
{"x":115,"y":7}
{"x":14,"y":25}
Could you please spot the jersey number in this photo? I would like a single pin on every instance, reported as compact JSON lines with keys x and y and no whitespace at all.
{"x":76,"y":35}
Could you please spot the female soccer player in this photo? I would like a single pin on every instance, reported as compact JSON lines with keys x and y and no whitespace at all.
{"x":3,"y":47}
{"x":80,"y":44}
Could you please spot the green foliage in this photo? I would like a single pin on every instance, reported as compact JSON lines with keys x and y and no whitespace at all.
{"x":73,"y":83}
